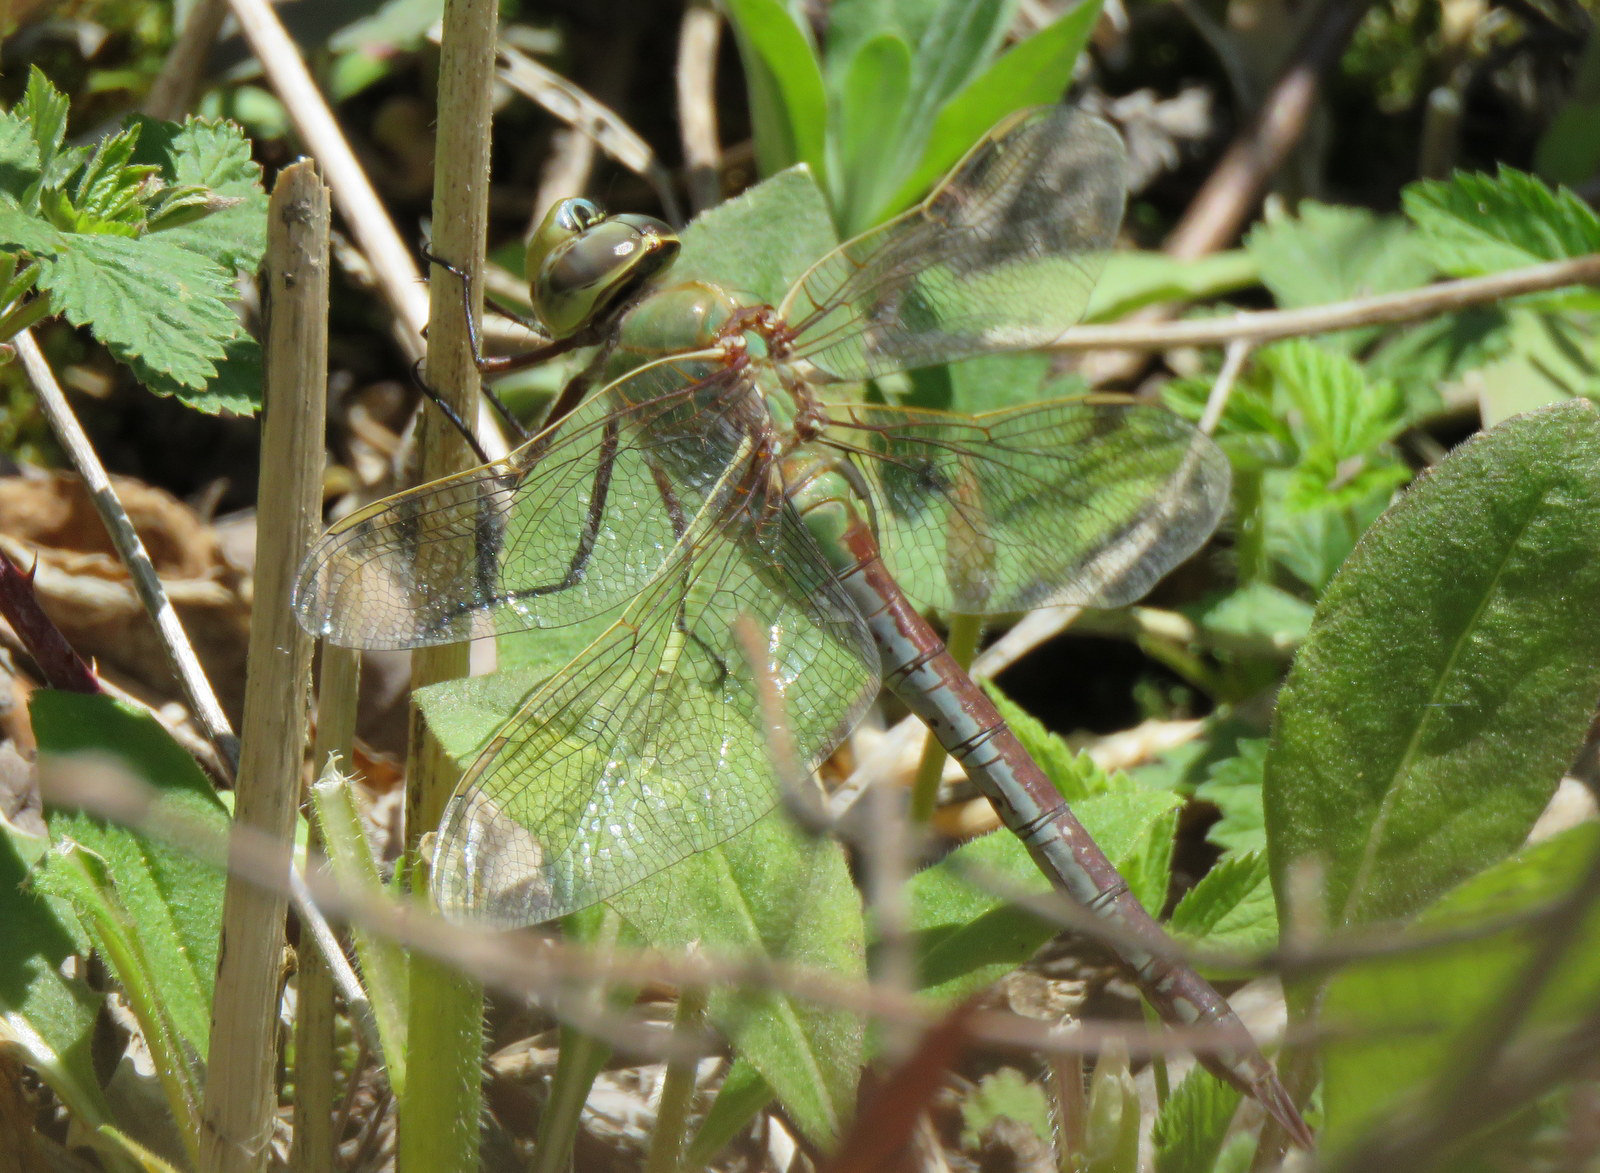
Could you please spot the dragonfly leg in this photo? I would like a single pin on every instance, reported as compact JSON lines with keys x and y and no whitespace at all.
{"x":499,"y":364}
{"x":448,"y":412}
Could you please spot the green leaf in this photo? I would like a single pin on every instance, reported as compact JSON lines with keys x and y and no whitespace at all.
{"x":1474,"y":224}
{"x":761,"y":242}
{"x":1230,"y":908}
{"x":173,"y":897}
{"x":1193,"y":1123}
{"x":20,"y":169}
{"x":958,"y":36}
{"x":43,"y":110}
{"x":1448,"y":678}
{"x":776,"y":895}
{"x":1397,"y":1024}
{"x":1005,"y":1094}
{"x":742,"y":1095}
{"x":146,"y":300}
{"x":383,"y":961}
{"x":870,"y":107}
{"x":1233,"y":786}
{"x":213,"y":155}
{"x":1547,"y":357}
{"x":769,"y":893}
{"x":1337,"y":409}
{"x":1111,"y":1135}
{"x":48,"y":1015}
{"x":788,"y":105}
{"x":1132,"y":280}
{"x":1034,"y":72}
{"x":236,"y":387}
{"x":1258,"y":612}
{"x":107,"y":193}
{"x":968,"y":934}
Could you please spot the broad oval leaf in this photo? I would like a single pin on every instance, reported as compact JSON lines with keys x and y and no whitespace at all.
{"x":1449,"y":676}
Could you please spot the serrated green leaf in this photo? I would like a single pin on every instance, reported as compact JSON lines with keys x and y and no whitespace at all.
{"x":20,"y":230}
{"x":1339,"y":410}
{"x":1474,"y":224}
{"x":1233,"y":786}
{"x":20,"y":167}
{"x":1193,"y":1123}
{"x":44,"y":110}
{"x":1231,"y":908}
{"x":1448,"y":678}
{"x":235,"y":388}
{"x":1399,"y":1023}
{"x":145,"y":299}
{"x":1005,"y":1094}
{"x":213,"y":155}
{"x":108,"y":189}
{"x":174,"y":898}
{"x":1074,"y":774}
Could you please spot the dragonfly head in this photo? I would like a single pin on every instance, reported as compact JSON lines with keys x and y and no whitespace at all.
{"x":582,"y":263}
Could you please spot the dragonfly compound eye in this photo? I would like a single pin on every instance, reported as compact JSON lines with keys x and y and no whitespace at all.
{"x":582,"y":263}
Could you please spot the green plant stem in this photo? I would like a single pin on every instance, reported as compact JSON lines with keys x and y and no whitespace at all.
{"x":1158,"y":1062}
{"x":962,"y":640}
{"x":677,"y":1089}
{"x":1250,"y":543}
{"x":581,"y":1057}
{"x":23,"y":316}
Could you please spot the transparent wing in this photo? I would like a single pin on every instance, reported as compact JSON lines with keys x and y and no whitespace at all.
{"x":650,"y":746}
{"x":572,"y":524}
{"x":1084,"y":501}
{"x":1002,"y":256}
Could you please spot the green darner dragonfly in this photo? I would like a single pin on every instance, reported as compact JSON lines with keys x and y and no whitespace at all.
{"x":714,"y":489}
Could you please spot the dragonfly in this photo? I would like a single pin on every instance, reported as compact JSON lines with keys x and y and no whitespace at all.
{"x":714,"y":489}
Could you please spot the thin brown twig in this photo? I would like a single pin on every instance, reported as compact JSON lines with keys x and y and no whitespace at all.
{"x":364,"y":215}
{"x":1219,"y":210}
{"x":130,"y":549}
{"x":524,"y":965}
{"x":174,"y":87}
{"x":588,"y":114}
{"x":1387,"y":309}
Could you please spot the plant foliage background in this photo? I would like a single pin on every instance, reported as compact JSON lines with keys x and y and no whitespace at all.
{"x":1356,"y":729}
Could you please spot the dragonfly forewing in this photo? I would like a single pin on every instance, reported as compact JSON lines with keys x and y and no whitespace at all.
{"x":651,"y":745}
{"x":1002,"y":256}
{"x":1086,"y":501}
{"x":571,"y":525}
